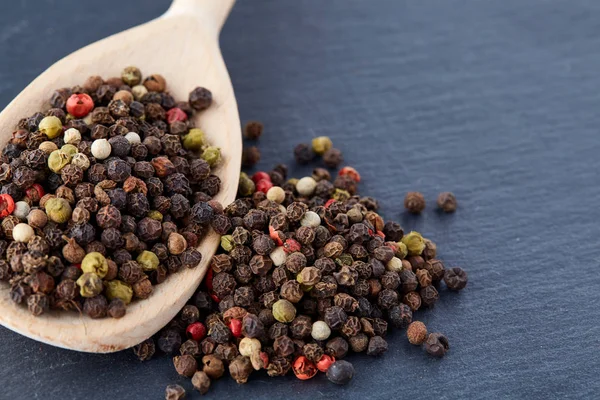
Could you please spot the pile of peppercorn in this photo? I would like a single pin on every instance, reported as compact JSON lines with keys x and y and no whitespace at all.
{"x":308,"y":271}
{"x":104,"y":194}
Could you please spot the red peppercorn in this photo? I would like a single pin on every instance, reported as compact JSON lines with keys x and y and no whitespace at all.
{"x":260,"y":176}
{"x":176,"y":114}
{"x":380,"y":234}
{"x":264,"y":358}
{"x":264,"y":186}
{"x":291,"y":246}
{"x":235,"y":326}
{"x":303,"y":368}
{"x":329,"y":202}
{"x":79,"y":105}
{"x":7,"y":205}
{"x":325,"y":362}
{"x":196,"y":331}
{"x":351,"y":172}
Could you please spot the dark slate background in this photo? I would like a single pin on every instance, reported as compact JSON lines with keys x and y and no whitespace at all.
{"x":497,"y":101}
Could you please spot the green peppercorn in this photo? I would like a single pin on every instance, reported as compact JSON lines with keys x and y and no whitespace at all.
{"x":90,"y":284}
{"x":51,"y":126}
{"x":58,"y":210}
{"x":414,"y":243}
{"x":227,"y":243}
{"x":284,"y":311}
{"x":246,"y":187}
{"x":212,"y":155}
{"x":57,"y":160}
{"x":156,"y":215}
{"x":340,"y":195}
{"x":148,"y":260}
{"x":402,"y":250}
{"x":70,"y":150}
{"x":96,"y":263}
{"x":117,"y":289}
{"x":321,"y":144}
{"x":194,"y":140}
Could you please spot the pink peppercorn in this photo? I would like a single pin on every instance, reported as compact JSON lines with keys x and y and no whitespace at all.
{"x":235,"y":326}
{"x":7,"y":205}
{"x":304,"y":368}
{"x":176,"y":114}
{"x":325,"y":362}
{"x":291,"y":246}
{"x":261,"y":176}
{"x":196,"y":331}
{"x":329,"y":202}
{"x":274,"y":234}
{"x":263,"y":186}
{"x":351,"y":172}
{"x":79,"y":105}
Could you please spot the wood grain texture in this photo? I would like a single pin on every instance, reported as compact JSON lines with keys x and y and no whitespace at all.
{"x":183,"y":46}
{"x":495,"y":100}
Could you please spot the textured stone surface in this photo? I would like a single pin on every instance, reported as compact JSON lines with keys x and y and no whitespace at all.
{"x":497,"y":101}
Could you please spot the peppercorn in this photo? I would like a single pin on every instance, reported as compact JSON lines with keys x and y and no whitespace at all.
{"x":174,"y":392}
{"x":332,"y":158}
{"x":200,"y":98}
{"x":250,"y":156}
{"x":284,"y":311}
{"x":185,"y":365}
{"x":340,"y":372}
{"x":455,"y":278}
{"x":213,"y":366}
{"x":436,"y":344}
{"x":337,"y":347}
{"x":414,"y":202}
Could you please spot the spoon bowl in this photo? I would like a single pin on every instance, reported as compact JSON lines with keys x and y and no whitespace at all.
{"x":182,"y":45}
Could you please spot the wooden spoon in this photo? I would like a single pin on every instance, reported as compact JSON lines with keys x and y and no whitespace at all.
{"x":182,"y":45}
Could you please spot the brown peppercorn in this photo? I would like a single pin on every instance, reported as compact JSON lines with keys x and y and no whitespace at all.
{"x":200,"y":98}
{"x":174,"y":392}
{"x":240,"y":369}
{"x":333,"y":158}
{"x":436,"y":344}
{"x":359,"y":342}
{"x":313,"y":352}
{"x":446,"y":202}
{"x":283,"y":344}
{"x":145,"y":350}
{"x":377,"y":346}
{"x":423,"y":277}
{"x":416,"y":333}
{"x":414,"y":202}
{"x":250,"y":156}
{"x":213,"y":366}
{"x":37,"y":303}
{"x":253,"y":130}
{"x":185,"y":365}
{"x":337,"y":347}
{"x":142,"y":289}
{"x":429,"y":295}
{"x":436,"y":269}
{"x":155,"y":83}
{"x":455,"y":278}
{"x":95,"y":307}
{"x":413,"y":300}
{"x":116,"y":308}
{"x":201,"y":382}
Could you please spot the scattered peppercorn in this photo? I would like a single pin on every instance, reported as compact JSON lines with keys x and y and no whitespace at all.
{"x":446,"y":201}
{"x":414,"y":202}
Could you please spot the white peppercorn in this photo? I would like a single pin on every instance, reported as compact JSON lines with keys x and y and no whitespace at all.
{"x":395,"y":264}
{"x":248,"y":346}
{"x":48,"y":147}
{"x":320,"y":331}
{"x":72,"y":136}
{"x":278,"y":256}
{"x":306,"y":186}
{"x":81,"y":160}
{"x":101,"y":149}
{"x":311,"y":219}
{"x":23,"y":233}
{"x":276,"y":194}
{"x":133,"y":138}
{"x":139,"y":91}
{"x":21,"y":210}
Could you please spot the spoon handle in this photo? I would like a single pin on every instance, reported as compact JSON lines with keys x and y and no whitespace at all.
{"x":212,"y":13}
